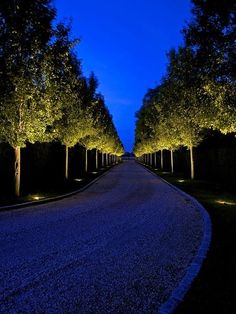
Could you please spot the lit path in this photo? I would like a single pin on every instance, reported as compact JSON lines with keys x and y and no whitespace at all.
{"x":121,"y":246}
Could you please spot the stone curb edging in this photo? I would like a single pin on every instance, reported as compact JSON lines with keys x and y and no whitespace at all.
{"x":193,"y":269}
{"x":55,"y":198}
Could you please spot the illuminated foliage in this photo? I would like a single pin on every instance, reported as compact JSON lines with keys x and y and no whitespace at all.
{"x":105,"y":137}
{"x":198,"y":91}
{"x":25,"y":31}
{"x":43,"y":94}
{"x":211,"y":37}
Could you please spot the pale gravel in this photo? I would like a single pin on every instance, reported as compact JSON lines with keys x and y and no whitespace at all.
{"x":121,"y":246}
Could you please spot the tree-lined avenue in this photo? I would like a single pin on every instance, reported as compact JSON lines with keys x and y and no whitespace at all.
{"x":121,"y":246}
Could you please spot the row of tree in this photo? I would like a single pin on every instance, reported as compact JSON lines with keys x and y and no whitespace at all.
{"x":198,"y":90}
{"x":44,"y":96}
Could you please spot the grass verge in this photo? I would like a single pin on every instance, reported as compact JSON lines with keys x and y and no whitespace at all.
{"x":214,"y":289}
{"x":57,"y":190}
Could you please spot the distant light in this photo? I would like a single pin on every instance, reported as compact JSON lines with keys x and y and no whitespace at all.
{"x":165,"y":172}
{"x":78,"y":179}
{"x":94,"y":172}
{"x":156,"y":169}
{"x":225,"y":202}
{"x":181,"y":180}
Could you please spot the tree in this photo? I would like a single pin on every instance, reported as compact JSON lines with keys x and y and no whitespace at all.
{"x":76,"y":121}
{"x":25,"y":114}
{"x":213,"y":22}
{"x":198,"y":90}
{"x":105,"y":137}
{"x":170,"y":119}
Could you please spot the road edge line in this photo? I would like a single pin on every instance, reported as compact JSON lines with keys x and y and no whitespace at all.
{"x":178,"y":294}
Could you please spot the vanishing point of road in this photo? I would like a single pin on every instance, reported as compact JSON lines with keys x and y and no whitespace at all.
{"x":121,"y":246}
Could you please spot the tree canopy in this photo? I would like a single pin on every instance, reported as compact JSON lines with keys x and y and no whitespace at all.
{"x":198,"y":90}
{"x":44,"y":95}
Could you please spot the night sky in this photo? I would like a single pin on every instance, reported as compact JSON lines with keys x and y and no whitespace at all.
{"x":124,"y":42}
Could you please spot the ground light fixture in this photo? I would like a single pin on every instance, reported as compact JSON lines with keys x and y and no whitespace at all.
{"x":94,"y":172}
{"x":78,"y":179}
{"x":37,"y":197}
{"x":222,"y":202}
{"x":181,"y":180}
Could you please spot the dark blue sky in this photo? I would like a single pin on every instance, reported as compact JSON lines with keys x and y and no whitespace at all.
{"x":124,"y":42}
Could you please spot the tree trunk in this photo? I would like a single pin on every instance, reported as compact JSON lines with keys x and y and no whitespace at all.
{"x":155,"y":160}
{"x":172,"y":160}
{"x":102,"y":159}
{"x":17,"y":170}
{"x":105,"y":159}
{"x":191,"y":162}
{"x":150,"y":159}
{"x":86,"y":161}
{"x":161,"y":158}
{"x":66,"y":162}
{"x":96,"y":159}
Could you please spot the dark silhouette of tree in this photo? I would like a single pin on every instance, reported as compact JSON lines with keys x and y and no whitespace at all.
{"x":211,"y":34}
{"x":211,"y":37}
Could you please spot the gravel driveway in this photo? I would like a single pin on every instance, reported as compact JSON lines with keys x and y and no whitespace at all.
{"x":121,"y":246}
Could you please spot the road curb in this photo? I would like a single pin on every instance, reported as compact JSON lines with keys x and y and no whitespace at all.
{"x":193,"y":269}
{"x":55,"y":198}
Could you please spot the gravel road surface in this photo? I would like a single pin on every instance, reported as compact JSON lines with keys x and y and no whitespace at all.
{"x":121,"y":246}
